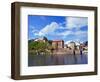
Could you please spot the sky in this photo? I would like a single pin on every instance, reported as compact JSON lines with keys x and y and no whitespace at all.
{"x":65,"y":28}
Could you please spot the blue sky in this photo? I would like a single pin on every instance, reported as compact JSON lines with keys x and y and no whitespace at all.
{"x":58,"y":28}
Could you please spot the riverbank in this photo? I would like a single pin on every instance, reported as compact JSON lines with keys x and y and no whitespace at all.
{"x":63,"y":51}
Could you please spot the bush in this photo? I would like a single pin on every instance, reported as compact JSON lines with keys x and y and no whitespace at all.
{"x":40,"y":47}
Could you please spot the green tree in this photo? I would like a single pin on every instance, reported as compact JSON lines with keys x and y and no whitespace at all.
{"x":40,"y":47}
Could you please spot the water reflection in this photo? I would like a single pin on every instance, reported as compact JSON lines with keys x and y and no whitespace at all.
{"x":44,"y":60}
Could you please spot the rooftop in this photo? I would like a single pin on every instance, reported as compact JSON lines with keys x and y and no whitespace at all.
{"x":57,"y":40}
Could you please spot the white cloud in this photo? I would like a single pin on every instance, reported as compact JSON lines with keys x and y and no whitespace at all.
{"x":78,"y":34}
{"x":34,"y":30}
{"x":31,"y":27}
{"x":76,"y":22}
{"x":62,"y":28}
{"x":66,"y":33}
{"x":81,"y":33}
{"x":71,"y":22}
{"x":48,"y":29}
{"x":61,"y":34}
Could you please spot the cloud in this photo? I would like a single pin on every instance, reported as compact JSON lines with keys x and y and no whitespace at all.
{"x":65,"y":29}
{"x":66,"y":33}
{"x":62,"y":28}
{"x":79,"y":36}
{"x":33,"y":29}
{"x":60,"y":34}
{"x":76,"y":22}
{"x":48,"y":29}
{"x":81,"y":33}
{"x":77,"y":33}
{"x":71,"y":22}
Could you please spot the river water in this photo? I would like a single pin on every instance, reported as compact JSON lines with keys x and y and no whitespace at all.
{"x":45,"y":60}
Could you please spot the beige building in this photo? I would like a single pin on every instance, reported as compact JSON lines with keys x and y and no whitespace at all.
{"x":58,"y":44}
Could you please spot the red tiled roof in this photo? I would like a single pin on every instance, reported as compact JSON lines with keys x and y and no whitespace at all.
{"x":57,"y":40}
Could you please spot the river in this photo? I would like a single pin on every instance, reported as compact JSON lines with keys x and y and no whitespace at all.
{"x":45,"y":60}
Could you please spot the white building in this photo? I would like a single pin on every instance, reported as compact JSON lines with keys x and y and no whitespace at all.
{"x":71,"y":45}
{"x":41,"y":39}
{"x":77,"y":45}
